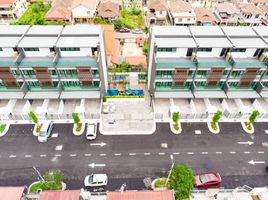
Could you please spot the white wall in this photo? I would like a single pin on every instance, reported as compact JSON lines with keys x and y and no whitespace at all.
{"x":7,"y":52}
{"x":82,"y":52}
{"x":43,"y":52}
{"x":180,"y":52}
{"x":81,"y":11}
{"x":249,"y":53}
{"x":214,"y":53}
{"x":164,"y":14}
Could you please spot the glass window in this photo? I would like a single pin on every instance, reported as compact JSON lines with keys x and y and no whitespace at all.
{"x":239,"y":50}
{"x":70,"y":49}
{"x":31,"y":49}
{"x":204,"y":49}
{"x":166,"y":49}
{"x":1,"y":49}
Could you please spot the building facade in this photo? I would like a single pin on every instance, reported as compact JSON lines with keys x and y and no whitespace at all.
{"x":51,"y":62}
{"x":208,"y":62}
{"x":131,"y":4}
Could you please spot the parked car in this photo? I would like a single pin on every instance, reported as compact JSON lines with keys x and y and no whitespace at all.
{"x":137,"y":31}
{"x":91,"y":131}
{"x":45,"y":131}
{"x":207,"y":179}
{"x":95,"y":180}
{"x":124,"y":30}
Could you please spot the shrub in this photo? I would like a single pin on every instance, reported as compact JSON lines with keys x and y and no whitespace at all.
{"x":176,"y":126}
{"x":38,"y":128}
{"x":2,"y":128}
{"x":78,"y":127}
{"x":76,"y":118}
{"x":175,"y":116}
{"x":217,"y":116}
{"x":104,"y":99}
{"x":160,"y":182}
{"x":33,"y":117}
{"x":145,"y":48}
{"x":253,"y":116}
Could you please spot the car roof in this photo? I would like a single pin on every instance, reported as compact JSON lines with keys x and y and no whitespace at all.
{"x":99,"y":177}
{"x":45,"y":125}
{"x":91,"y":127}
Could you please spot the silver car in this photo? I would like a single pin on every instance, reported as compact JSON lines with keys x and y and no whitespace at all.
{"x":45,"y":131}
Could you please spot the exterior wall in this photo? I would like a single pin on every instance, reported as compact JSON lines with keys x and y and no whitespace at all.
{"x":82,"y":12}
{"x":128,"y":4}
{"x":14,"y":11}
{"x":180,"y":52}
{"x":43,"y":52}
{"x":82,"y":52}
{"x":161,"y":14}
{"x":214,"y":53}
{"x":252,"y":20}
{"x":184,"y":18}
{"x":248,"y":54}
{"x":7,"y":52}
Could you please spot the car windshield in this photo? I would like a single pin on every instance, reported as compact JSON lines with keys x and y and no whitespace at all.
{"x":203,"y":178}
{"x":90,"y":179}
{"x":42,"y":134}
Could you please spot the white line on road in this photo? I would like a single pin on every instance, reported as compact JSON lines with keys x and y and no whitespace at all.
{"x":161,"y":153}
{"x":132,"y":154}
{"x":102,"y":154}
{"x":218,"y":152}
{"x":117,"y":154}
{"x":204,"y":152}
{"x":260,"y":152}
{"x":12,"y":156}
{"x":72,"y":155}
{"x":28,"y":156}
{"x":147,"y":154}
{"x":246,"y":152}
{"x":58,"y":155}
{"x":87,"y":154}
{"x":176,"y":153}
{"x":190,"y":153}
{"x":197,"y":132}
{"x":266,"y":131}
{"x":232,"y":152}
{"x":59,"y":147}
{"x":43,"y":155}
{"x":55,"y":135}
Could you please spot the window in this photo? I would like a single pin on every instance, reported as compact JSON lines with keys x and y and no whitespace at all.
{"x":31,"y":49}
{"x":1,"y":49}
{"x":189,"y":52}
{"x":239,"y":50}
{"x":70,"y":49}
{"x":257,"y":16}
{"x":258,"y":52}
{"x":166,"y":49}
{"x":224,"y":51}
{"x":204,"y":49}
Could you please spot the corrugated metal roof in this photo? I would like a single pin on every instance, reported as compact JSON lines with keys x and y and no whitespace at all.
{"x":11,"y":193}
{"x":60,"y":195}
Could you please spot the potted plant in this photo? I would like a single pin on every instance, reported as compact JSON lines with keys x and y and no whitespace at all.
{"x":37,"y":126}
{"x":78,"y":127}
{"x":213,"y":125}
{"x":248,"y":125}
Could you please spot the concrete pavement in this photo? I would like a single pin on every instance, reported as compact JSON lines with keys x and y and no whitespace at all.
{"x":131,"y":158}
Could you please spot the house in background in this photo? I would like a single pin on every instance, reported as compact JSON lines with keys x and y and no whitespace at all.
{"x":250,"y":14}
{"x":11,"y":10}
{"x":130,"y":4}
{"x":108,"y":9}
{"x":205,"y":17}
{"x":227,"y":13}
{"x":157,"y":12}
{"x":259,"y":2}
{"x":181,"y":13}
{"x":200,"y":3}
{"x":60,"y":10}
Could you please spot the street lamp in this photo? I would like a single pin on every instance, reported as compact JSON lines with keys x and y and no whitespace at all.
{"x":172,"y":165}
{"x":39,"y":174}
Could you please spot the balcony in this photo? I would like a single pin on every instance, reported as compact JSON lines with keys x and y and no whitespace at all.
{"x":262,"y":88}
{"x":41,"y":92}
{"x":204,"y":91}
{"x":80,"y":92}
{"x":13,"y":92}
{"x":7,"y":61}
{"x":174,"y":62}
{"x":173,"y":92}
{"x":36,"y":62}
{"x":76,"y":61}
{"x":213,"y":62}
{"x":235,"y":91}
{"x":247,"y":62}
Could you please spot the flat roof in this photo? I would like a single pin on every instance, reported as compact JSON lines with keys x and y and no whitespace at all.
{"x":78,"y":42}
{"x":248,"y":43}
{"x":213,"y":42}
{"x":9,"y":41}
{"x":13,"y":30}
{"x":45,"y":30}
{"x":171,"y":30}
{"x":175,"y":42}
{"x":238,"y":31}
{"x":261,"y":30}
{"x":81,"y":30}
{"x":38,"y":41}
{"x":11,"y":193}
{"x":206,"y":31}
{"x":60,"y":195}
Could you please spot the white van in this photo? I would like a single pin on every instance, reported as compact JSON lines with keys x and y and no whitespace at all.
{"x":96,"y":180}
{"x":91,"y":131}
{"x":45,"y":131}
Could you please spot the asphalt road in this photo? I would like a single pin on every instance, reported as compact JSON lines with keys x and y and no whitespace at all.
{"x":129,"y":159}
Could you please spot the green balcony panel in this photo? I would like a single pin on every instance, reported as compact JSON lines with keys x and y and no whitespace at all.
{"x":76,"y":62}
{"x":80,"y":88}
{"x":209,"y":88}
{"x":175,"y":64}
{"x":7,"y":63}
{"x":214,"y":64}
{"x":36,"y":62}
{"x":10,"y":89}
{"x":170,"y":89}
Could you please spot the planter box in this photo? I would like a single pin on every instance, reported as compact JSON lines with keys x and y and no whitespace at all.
{"x":153,"y":185}
{"x":5,"y":130}
{"x":212,"y":130}
{"x":246,"y":129}
{"x":171,"y":124}
{"x":77,"y":133}
{"x":63,"y":186}
{"x":34,"y":130}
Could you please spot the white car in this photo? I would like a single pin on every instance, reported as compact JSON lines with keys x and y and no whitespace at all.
{"x":91,"y":131}
{"x":137,"y":31}
{"x":45,"y":131}
{"x":95,"y":180}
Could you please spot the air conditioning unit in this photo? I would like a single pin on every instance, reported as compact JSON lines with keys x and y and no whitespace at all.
{"x":193,"y":56}
{"x":228,"y":56}
{"x":263,"y":57}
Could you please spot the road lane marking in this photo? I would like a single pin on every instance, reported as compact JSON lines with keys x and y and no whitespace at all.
{"x":218,"y":152}
{"x":161,"y":153}
{"x":266,"y":131}
{"x":55,"y":135}
{"x":197,"y":132}
{"x":132,"y":154}
{"x":72,"y":155}
{"x":260,"y":152}
{"x":28,"y":156}
{"x":204,"y":152}
{"x":43,"y":155}
{"x":117,"y":154}
{"x":147,"y":154}
{"x":12,"y":156}
{"x":59,"y":147}
{"x":232,"y":152}
{"x":102,"y":154}
{"x":58,"y":155}
{"x":246,"y":152}
{"x":190,"y":153}
{"x":164,"y":145}
{"x":176,"y":153}
{"x":87,"y":154}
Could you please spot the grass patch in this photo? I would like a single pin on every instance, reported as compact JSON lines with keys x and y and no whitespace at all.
{"x":160,"y":183}
{"x":2,"y":128}
{"x":78,"y":127}
{"x":132,"y":18}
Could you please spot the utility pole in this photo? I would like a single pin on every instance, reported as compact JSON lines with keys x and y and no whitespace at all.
{"x":39,"y":174}
{"x":172,"y":165}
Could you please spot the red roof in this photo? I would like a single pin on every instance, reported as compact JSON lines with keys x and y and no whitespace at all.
{"x":141,"y":195}
{"x":264,"y":21}
{"x":11,"y":193}
{"x":60,"y":195}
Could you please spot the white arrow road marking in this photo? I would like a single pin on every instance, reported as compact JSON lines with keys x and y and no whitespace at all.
{"x":252,"y":162}
{"x":98,"y":144}
{"x":248,"y":142}
{"x":93,"y":165}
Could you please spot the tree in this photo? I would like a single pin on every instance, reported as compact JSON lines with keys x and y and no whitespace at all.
{"x":146,"y":30}
{"x":253,"y":116}
{"x":217,"y":116}
{"x":118,"y":24}
{"x":182,"y":181}
{"x":76,"y":118}
{"x":33,"y":117}
{"x":145,"y":48}
{"x":175,"y":116}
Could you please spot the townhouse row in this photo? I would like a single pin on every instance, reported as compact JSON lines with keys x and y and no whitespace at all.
{"x":208,"y":62}
{"x":52,"y":62}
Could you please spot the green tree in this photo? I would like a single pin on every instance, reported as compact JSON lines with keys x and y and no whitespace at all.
{"x":216,"y":116}
{"x":118,"y":24}
{"x":182,"y":181}
{"x":253,"y":116}
{"x":33,"y":116}
{"x":146,"y":30}
{"x":175,"y":116}
{"x":76,"y":118}
{"x":145,"y":48}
